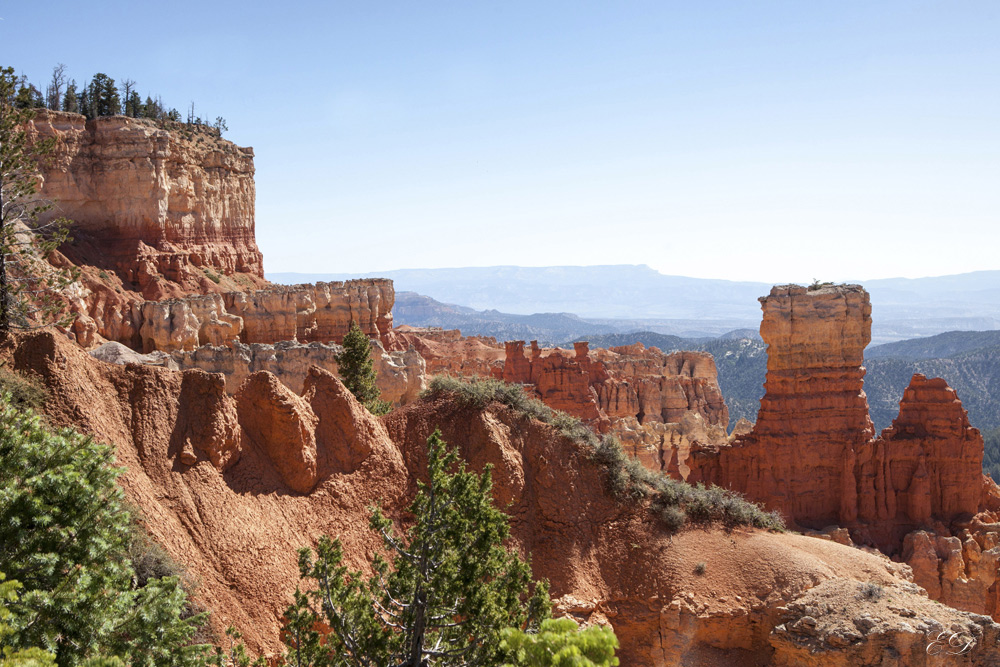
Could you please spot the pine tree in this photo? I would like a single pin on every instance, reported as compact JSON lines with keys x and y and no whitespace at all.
{"x":452,"y":588}
{"x":65,"y":536}
{"x":358,"y":371}
{"x":133,"y":105}
{"x":70,"y":102}
{"x":103,"y":96}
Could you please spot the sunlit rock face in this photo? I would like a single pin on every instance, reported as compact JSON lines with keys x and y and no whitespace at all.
{"x":160,"y":204}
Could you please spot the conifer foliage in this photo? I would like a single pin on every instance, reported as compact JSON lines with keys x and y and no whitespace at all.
{"x":561,"y":643}
{"x":358,"y":371}
{"x":65,"y":537}
{"x":451,"y":589}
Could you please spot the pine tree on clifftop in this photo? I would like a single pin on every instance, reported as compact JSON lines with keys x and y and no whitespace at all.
{"x":358,"y":371}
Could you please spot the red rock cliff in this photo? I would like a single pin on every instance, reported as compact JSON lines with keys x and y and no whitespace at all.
{"x":157,"y":206}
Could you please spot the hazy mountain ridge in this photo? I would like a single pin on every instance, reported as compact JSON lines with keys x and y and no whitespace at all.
{"x":902,"y":308}
{"x":547,"y":328}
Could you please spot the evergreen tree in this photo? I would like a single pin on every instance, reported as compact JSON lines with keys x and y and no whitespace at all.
{"x":149,"y":109}
{"x":28,"y":97}
{"x":65,"y":535}
{"x":452,"y":588}
{"x":10,"y":657}
{"x":86,"y":108}
{"x":133,"y":105}
{"x":70,"y":101}
{"x":27,"y":285}
{"x":358,"y":371}
{"x":103,"y":96}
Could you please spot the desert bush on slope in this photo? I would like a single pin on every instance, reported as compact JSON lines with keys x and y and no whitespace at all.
{"x":673,"y":501}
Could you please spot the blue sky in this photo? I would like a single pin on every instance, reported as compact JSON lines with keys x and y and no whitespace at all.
{"x":771,"y":141}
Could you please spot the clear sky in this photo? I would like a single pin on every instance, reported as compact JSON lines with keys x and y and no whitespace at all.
{"x":748,"y":140}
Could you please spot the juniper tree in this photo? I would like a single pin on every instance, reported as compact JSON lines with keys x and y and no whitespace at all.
{"x":357,"y":370}
{"x":452,"y":588}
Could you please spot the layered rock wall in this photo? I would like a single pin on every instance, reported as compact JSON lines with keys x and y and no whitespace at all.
{"x":320,"y":312}
{"x":653,"y":402}
{"x":159,"y":206}
{"x":401,"y":374}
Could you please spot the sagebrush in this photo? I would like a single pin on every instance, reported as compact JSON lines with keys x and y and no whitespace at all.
{"x":674,"y":502}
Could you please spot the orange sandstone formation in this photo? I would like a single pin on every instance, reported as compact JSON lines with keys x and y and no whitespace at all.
{"x":158,"y":206}
{"x":800,"y":456}
{"x":163,"y":222}
{"x":655,"y":403}
{"x":912,"y":491}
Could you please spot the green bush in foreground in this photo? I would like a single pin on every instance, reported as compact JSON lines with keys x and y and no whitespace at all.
{"x":65,"y":536}
{"x":561,"y":643}
{"x":673,"y":501}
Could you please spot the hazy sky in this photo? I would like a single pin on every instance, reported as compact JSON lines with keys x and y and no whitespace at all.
{"x":748,"y":140}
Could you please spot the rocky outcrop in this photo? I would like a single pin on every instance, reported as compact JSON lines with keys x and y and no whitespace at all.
{"x":843,"y":623}
{"x":812,"y":454}
{"x":448,"y":352}
{"x":207,"y":421}
{"x":927,"y":464}
{"x":283,"y":425}
{"x":401,"y":375}
{"x":184,"y":324}
{"x":166,"y":206}
{"x":912,"y":492}
{"x":655,"y":403}
{"x":304,"y":313}
{"x":960,"y":570}
{"x":813,"y":419}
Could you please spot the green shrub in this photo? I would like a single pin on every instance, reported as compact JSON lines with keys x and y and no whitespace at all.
{"x":700,"y":568}
{"x":480,"y":392}
{"x":673,"y":501}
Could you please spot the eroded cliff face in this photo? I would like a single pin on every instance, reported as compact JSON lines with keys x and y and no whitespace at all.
{"x":800,"y":456}
{"x":655,"y":403}
{"x":233,"y":486}
{"x":164,"y":208}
